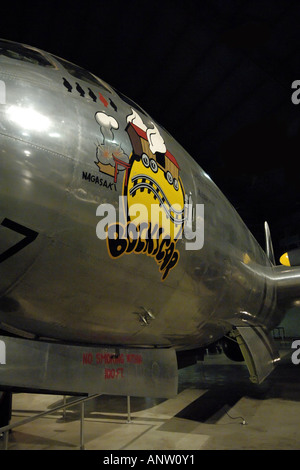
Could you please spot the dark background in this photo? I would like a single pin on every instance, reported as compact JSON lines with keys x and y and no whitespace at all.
{"x":228,"y":65}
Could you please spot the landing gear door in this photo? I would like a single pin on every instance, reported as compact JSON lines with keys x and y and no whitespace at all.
{"x":259,"y":351}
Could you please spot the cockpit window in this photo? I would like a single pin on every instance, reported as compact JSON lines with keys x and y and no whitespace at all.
{"x":79,"y":72}
{"x":19,"y":52}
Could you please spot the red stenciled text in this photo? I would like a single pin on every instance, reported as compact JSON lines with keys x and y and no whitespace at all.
{"x":114,"y":373}
{"x":89,"y":358}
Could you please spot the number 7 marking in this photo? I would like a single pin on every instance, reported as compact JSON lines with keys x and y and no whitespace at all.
{"x":30,"y":236}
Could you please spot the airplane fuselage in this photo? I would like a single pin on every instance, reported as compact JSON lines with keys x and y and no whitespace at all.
{"x":68,"y":145}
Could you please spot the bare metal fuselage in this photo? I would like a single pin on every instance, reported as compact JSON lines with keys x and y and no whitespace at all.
{"x":64,"y":284}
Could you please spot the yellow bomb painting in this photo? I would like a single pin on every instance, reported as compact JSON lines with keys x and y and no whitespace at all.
{"x":154,"y":198}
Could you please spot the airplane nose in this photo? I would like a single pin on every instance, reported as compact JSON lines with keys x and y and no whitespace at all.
{"x":2,"y":92}
{"x":18,"y":229}
{"x":34,"y":176}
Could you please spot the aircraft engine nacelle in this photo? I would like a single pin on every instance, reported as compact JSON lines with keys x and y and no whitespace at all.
{"x":232,"y":349}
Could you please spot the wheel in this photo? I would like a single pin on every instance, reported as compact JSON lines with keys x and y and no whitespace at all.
{"x":145,"y":160}
{"x":153,"y":165}
{"x":169,"y":177}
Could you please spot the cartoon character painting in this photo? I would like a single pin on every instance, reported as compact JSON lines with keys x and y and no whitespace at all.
{"x":154,"y":198}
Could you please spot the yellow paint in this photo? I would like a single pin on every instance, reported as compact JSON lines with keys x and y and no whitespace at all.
{"x":246,"y":258}
{"x":284,"y":259}
{"x":143,"y":207}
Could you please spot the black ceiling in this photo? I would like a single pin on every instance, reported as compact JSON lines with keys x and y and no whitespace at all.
{"x":227,"y":65}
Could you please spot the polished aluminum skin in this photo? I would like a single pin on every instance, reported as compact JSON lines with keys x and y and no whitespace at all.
{"x":63,"y":284}
{"x":71,"y":369}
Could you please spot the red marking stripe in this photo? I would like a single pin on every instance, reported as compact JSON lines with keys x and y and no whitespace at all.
{"x":103,"y":100}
